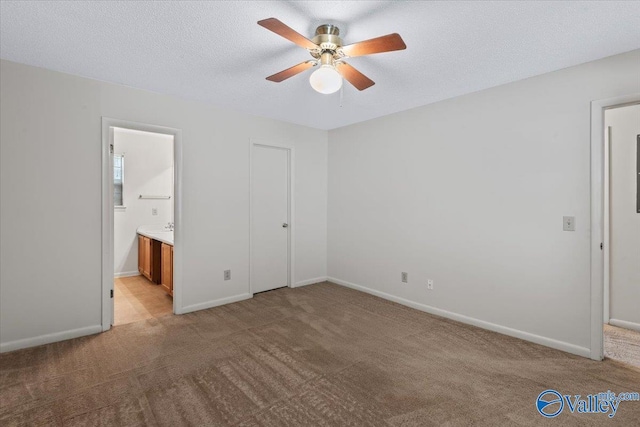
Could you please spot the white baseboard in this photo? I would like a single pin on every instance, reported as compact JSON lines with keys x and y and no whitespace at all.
{"x":127,"y":274}
{"x":310,"y":281}
{"x":548,"y":342}
{"x":624,"y":324}
{"x":214,"y":303}
{"x":49,"y":338}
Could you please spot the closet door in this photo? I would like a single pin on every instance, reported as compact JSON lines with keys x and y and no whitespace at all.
{"x":269,"y":218}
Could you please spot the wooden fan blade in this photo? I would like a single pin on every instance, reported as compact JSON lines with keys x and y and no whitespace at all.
{"x":290,"y":72}
{"x":353,"y":76}
{"x":387,"y":43}
{"x":281,"y":29}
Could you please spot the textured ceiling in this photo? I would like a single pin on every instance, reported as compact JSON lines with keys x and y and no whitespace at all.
{"x":216,"y":53}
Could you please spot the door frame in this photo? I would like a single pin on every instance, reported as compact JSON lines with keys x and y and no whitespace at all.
{"x":597,"y":216}
{"x":289,"y":148}
{"x":108,"y":217}
{"x":606,"y":225}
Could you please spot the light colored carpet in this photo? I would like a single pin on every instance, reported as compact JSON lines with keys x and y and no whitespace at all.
{"x":317,"y":355}
{"x":622,"y":345}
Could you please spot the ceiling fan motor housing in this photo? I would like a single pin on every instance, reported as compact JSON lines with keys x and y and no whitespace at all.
{"x":328,"y":38}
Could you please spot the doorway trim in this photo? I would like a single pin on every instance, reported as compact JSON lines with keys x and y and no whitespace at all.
{"x":597,"y":216}
{"x":289,"y":147}
{"x":108,"y":217}
{"x":606,"y":225}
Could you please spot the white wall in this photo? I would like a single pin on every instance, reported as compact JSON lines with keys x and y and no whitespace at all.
{"x":624,"y":220}
{"x":148,"y":170}
{"x":470,"y":192}
{"x":50,"y":138}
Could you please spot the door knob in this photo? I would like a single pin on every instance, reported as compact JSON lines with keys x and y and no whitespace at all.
{"x":285,"y":225}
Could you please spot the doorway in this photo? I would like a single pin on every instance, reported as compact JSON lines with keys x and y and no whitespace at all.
{"x":622,"y":234}
{"x":271,"y":216}
{"x":603,"y":145}
{"x":141,"y":266}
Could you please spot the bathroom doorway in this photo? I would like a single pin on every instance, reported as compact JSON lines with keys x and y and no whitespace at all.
{"x":141,"y":217}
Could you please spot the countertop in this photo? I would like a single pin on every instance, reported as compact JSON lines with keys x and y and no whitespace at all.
{"x":156,"y":232}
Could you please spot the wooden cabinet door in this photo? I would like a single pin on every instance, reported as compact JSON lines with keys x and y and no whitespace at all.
{"x":171,"y":271}
{"x":141,"y":254}
{"x":146,"y":262}
{"x":145,"y":257}
{"x":167,"y":268}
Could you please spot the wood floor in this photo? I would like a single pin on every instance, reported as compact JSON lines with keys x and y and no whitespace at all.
{"x":316,"y":355}
{"x":136,"y":299}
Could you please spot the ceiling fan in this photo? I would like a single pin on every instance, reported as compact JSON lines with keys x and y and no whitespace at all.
{"x":329,"y":54}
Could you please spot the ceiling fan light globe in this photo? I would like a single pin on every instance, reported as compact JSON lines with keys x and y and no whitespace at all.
{"x":326,"y":80}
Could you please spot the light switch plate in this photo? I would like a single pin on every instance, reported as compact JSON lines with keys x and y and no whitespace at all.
{"x":154,"y":211}
{"x":568,"y":223}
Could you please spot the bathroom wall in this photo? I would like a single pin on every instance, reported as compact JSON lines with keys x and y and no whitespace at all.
{"x":148,"y":170}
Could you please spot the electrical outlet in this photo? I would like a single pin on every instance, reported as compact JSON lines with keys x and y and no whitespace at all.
{"x":154,"y":211}
{"x":430,"y":284}
{"x":227,"y":275}
{"x":568,"y":223}
{"x":405,"y":277}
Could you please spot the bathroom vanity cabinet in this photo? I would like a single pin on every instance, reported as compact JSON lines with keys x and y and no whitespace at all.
{"x":155,"y":258}
{"x":149,"y":258}
{"x":167,"y":268}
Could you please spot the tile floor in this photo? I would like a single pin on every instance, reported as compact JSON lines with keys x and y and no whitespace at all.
{"x":137,"y":298}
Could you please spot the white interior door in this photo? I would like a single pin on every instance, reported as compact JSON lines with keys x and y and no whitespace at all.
{"x":269,"y":218}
